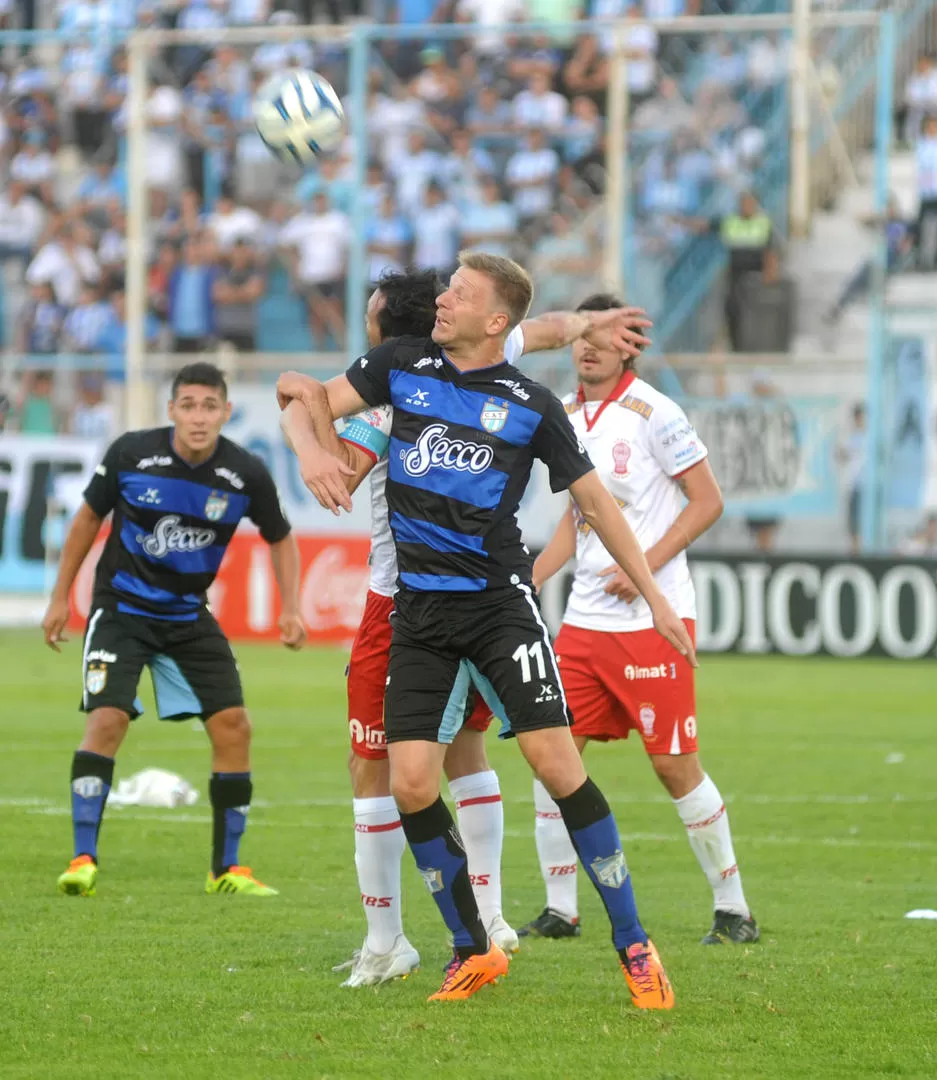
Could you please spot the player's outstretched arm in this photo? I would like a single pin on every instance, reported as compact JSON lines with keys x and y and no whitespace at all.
{"x":617,"y":328}
{"x":296,"y":423}
{"x":601,"y":511}
{"x":703,"y":509}
{"x":323,"y":473}
{"x":81,"y":535}
{"x":284,"y":555}
{"x":558,"y":552}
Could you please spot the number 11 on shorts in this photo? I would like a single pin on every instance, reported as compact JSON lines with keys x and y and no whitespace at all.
{"x":524,"y":654}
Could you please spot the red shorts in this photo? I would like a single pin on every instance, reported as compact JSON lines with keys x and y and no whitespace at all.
{"x":367,"y":676}
{"x":616,"y":682}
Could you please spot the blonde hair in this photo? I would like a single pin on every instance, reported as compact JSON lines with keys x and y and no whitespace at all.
{"x":511,"y":281}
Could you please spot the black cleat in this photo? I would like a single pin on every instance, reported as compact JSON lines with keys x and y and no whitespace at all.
{"x":551,"y":924}
{"x":730,"y":927}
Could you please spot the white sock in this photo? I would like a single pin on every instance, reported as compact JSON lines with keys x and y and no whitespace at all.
{"x":558,"y":860}
{"x":379,"y":848}
{"x":480,"y":816}
{"x":707,"y":824}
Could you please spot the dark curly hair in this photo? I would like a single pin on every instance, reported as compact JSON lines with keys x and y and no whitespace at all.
{"x":602,"y":301}
{"x":409,"y":303}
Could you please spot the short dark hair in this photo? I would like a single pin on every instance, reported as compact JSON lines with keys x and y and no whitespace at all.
{"x":409,"y":303}
{"x":601,"y":301}
{"x":201,"y":373}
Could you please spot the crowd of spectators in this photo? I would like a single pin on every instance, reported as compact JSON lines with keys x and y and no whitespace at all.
{"x":485,"y":141}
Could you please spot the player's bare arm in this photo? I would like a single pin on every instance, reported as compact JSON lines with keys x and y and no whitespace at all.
{"x":81,"y":535}
{"x":703,"y":509}
{"x":296,"y":423}
{"x":558,"y":552}
{"x":323,"y":473}
{"x":602,"y":512}
{"x":618,"y":328}
{"x":284,"y":555}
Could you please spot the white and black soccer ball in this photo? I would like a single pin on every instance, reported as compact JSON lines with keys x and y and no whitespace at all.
{"x":299,"y":116}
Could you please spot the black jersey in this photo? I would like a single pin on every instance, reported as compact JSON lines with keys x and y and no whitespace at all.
{"x":173,"y":521}
{"x":462,"y":444}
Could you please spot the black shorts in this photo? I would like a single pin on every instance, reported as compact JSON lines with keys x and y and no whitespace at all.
{"x":505,"y":644}
{"x":193,"y":670}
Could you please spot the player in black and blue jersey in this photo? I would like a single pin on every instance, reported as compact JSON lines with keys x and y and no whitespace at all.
{"x":466,"y":429}
{"x":177,"y":495}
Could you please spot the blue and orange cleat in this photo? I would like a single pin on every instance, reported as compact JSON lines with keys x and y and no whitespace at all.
{"x":644,"y":973}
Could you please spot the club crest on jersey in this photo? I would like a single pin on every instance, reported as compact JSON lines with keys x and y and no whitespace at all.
{"x":621,"y":452}
{"x":612,"y":871}
{"x":494,"y":416}
{"x":96,"y":678}
{"x":216,"y":505}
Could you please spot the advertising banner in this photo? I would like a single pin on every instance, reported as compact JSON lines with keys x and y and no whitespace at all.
{"x":31,"y":468}
{"x":244,"y":597}
{"x":810,"y":606}
{"x":773,"y":456}
{"x":803,"y":606}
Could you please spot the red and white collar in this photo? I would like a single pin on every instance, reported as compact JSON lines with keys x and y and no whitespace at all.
{"x":623,"y":383}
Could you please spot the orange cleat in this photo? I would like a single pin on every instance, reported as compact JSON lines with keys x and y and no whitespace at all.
{"x":466,"y":977}
{"x":644,"y":973}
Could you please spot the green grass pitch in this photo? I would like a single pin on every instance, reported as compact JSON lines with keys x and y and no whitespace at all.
{"x":829,"y":770}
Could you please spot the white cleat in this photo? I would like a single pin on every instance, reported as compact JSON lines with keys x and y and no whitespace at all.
{"x":370,"y":969}
{"x":503,"y":936}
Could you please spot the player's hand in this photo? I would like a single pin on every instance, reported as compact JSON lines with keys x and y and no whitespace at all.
{"x":620,"y":584}
{"x":324,"y":475}
{"x":53,"y":624}
{"x":292,"y":630}
{"x":670,"y":626}
{"x":620,"y":329}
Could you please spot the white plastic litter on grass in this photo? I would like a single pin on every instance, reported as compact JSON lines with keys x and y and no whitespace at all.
{"x":153,"y":787}
{"x":922,"y":913}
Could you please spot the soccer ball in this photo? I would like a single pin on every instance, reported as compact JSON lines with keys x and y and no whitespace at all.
{"x":298,"y":115}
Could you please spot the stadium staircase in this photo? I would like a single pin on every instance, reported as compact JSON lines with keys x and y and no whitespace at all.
{"x":839,"y":242}
{"x":838,"y":245}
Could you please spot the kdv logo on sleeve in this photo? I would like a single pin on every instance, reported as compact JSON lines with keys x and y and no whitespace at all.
{"x":434,"y":449}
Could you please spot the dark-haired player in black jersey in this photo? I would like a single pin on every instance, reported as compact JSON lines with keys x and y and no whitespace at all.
{"x":466,"y":429}
{"x":177,"y":495}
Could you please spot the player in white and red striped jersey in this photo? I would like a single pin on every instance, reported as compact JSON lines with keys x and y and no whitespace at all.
{"x":618,"y":673}
{"x":402,"y":304}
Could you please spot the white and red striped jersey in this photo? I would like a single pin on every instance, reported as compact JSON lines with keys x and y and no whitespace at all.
{"x":640,"y":441}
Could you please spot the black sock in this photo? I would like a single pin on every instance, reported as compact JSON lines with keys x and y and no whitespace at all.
{"x":92,"y":775}
{"x":230,"y":800}
{"x":440,"y":858}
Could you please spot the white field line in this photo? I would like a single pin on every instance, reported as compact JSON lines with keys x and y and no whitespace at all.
{"x":525,"y":800}
{"x":676,"y":837}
